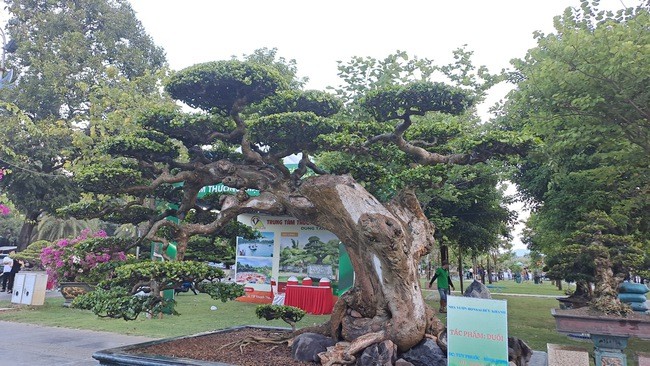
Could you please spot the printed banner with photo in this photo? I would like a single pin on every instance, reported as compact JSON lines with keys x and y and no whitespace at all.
{"x":260,"y":247}
{"x":253,"y":268}
{"x":300,"y":249}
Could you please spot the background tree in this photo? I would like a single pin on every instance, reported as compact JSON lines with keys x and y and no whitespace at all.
{"x":583,"y":92}
{"x":64,"y":50}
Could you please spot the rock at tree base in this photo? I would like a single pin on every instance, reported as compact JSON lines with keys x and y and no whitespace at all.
{"x":402,"y":362}
{"x":379,"y":354}
{"x":478,"y":290}
{"x":426,"y":353}
{"x":518,"y":351}
{"x":307,"y":346}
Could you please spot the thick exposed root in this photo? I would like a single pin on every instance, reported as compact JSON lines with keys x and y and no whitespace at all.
{"x":434,"y":325}
{"x":242,"y":343}
{"x":343,"y":353}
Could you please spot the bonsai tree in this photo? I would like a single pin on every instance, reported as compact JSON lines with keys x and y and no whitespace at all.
{"x":251,"y":117}
{"x":289,"y":314}
{"x":598,"y":254}
{"x":32,"y":254}
{"x":137,"y":288}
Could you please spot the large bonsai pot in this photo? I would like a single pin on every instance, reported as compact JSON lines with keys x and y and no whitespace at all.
{"x":584,"y":321}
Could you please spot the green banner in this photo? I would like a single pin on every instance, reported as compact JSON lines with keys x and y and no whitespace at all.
{"x":477,"y":331}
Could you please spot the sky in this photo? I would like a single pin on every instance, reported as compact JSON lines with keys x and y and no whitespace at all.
{"x":319,"y":33}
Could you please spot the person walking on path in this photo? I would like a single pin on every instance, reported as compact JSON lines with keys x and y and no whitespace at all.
{"x":444,"y":283}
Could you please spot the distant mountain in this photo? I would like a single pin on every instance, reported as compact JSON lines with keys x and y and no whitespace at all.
{"x":521,"y":252}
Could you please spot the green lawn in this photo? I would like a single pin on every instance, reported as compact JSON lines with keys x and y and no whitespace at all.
{"x":195,"y":317}
{"x":526,"y":287}
{"x":529,"y":318}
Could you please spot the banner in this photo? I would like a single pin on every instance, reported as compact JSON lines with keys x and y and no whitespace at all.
{"x":477,"y":331}
{"x":253,"y":268}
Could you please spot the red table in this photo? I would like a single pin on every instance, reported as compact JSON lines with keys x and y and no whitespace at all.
{"x":312,"y":299}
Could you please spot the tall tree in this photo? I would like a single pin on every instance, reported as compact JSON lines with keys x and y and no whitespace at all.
{"x":65,"y":50}
{"x":249,"y":121}
{"x":583,"y":92}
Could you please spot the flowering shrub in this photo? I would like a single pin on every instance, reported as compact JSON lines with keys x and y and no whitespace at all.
{"x":86,"y":258}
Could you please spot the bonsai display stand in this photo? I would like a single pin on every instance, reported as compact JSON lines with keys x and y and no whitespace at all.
{"x":608,"y":333}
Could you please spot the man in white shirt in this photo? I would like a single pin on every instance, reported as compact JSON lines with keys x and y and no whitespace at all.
{"x":7,"y":263}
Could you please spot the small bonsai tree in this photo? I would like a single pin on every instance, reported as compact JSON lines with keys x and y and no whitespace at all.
{"x":137,"y":288}
{"x":290,"y":314}
{"x":598,"y":253}
{"x":32,"y":254}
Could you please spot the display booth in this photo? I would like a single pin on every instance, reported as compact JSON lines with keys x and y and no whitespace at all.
{"x":299,"y":255}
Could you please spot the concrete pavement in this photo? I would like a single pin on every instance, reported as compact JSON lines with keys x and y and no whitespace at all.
{"x":34,"y":345}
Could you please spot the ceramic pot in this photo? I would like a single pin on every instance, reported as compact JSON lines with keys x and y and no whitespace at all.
{"x":70,"y":290}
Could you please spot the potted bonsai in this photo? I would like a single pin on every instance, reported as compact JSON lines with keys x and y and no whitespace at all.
{"x":138,"y":288}
{"x":76,"y":265}
{"x":604,"y":257}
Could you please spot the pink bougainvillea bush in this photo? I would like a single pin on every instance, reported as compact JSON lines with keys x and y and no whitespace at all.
{"x":90,"y":257}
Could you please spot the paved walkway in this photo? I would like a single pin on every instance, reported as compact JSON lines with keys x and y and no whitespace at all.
{"x":34,"y":345}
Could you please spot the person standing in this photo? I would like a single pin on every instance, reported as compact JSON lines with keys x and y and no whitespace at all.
{"x":7,"y":263}
{"x":15,"y":268}
{"x":444,"y":283}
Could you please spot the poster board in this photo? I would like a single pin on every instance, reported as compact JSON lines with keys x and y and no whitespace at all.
{"x":253,"y":267}
{"x":477,"y":331}
{"x":288,"y":247}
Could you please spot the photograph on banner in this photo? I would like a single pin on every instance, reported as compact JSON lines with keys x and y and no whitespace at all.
{"x":477,"y":331}
{"x":309,"y":247}
{"x":260,"y":247}
{"x":253,"y":271}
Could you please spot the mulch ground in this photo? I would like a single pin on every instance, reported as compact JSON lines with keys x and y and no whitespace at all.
{"x":219,"y":347}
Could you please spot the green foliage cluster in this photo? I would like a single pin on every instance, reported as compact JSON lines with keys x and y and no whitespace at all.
{"x":130,"y":214}
{"x":117,"y":303}
{"x":108,"y":178}
{"x":289,"y":133}
{"x":137,"y":287}
{"x":314,"y":101}
{"x":189,"y":128}
{"x":32,"y":254}
{"x":290,"y":314}
{"x":146,"y":145}
{"x":414,"y":99}
{"x":166,"y":275}
{"x":223,"y":291}
{"x":201,"y":86}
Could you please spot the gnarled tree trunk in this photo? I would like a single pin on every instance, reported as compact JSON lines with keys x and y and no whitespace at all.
{"x":385,"y":243}
{"x":26,"y":231}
